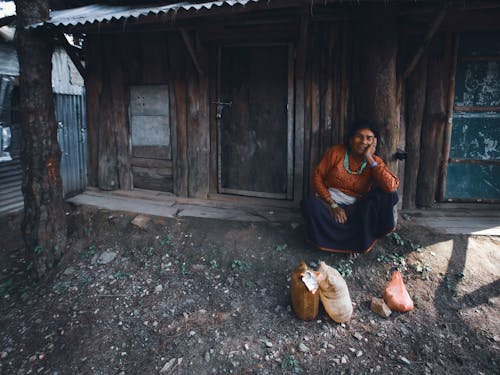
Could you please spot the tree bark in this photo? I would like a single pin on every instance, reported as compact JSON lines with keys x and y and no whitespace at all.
{"x":44,"y":224}
{"x":375,"y":82}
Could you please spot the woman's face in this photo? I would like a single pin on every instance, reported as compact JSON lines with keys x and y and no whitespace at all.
{"x":360,"y":141}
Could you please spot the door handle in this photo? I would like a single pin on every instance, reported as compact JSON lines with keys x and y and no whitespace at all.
{"x":220,"y":107}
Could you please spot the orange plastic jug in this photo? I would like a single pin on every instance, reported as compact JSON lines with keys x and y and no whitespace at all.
{"x":304,"y":302}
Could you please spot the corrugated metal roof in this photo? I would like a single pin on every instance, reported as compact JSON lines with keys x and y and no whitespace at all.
{"x":98,"y":13}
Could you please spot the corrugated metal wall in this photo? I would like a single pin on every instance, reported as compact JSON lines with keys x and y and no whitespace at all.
{"x":11,"y":197}
{"x":72,"y":137}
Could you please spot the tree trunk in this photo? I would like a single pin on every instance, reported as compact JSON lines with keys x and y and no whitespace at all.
{"x":375,"y":82}
{"x":44,"y":226}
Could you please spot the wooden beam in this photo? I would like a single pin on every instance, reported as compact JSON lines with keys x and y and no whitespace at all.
{"x":449,"y":117}
{"x":190,"y":48}
{"x":72,"y":54}
{"x":475,"y":161}
{"x":427,"y":39}
{"x":460,"y":108}
{"x":302,"y":46}
{"x":7,"y":20}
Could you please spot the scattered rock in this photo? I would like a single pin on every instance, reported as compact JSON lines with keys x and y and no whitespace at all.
{"x":170,"y":365}
{"x":106,"y":257}
{"x":379,"y":307}
{"x":405,"y":360}
{"x":3,"y":355}
{"x":303,"y":348}
{"x":344,"y":359}
{"x":167,"y":366}
{"x":158,"y":289}
{"x":358,"y":336}
{"x":69,"y":271}
{"x":141,"y":221}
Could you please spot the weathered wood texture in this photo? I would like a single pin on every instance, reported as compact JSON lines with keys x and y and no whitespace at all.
{"x":344,"y":71}
{"x":415,"y":105}
{"x":117,"y":61}
{"x":452,"y":47}
{"x":374,"y":90}
{"x":325,"y":94}
{"x":433,"y":128}
{"x":107,"y":98}
{"x":198,"y":131}
{"x":44,"y":223}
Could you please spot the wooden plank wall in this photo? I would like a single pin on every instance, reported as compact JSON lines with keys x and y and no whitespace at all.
{"x":326,"y":92}
{"x":324,"y":106}
{"x":117,"y":61}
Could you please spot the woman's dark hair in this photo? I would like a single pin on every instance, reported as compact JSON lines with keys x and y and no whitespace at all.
{"x":361,"y":124}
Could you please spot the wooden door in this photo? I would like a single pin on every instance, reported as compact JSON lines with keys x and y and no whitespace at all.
{"x":151,"y":159}
{"x":254,"y":121}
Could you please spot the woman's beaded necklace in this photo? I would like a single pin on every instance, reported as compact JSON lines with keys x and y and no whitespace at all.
{"x":346,"y":165}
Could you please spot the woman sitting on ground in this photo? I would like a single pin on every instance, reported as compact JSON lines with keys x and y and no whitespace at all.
{"x":355,"y":194}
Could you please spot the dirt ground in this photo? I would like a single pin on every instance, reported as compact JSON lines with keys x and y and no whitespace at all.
{"x":201,"y":296}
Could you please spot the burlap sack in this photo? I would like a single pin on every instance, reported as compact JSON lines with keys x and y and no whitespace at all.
{"x":334,"y":294}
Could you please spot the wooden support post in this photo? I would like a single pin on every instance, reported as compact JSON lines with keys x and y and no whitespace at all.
{"x":415,"y":106}
{"x":73,"y":55}
{"x":191,"y":50}
{"x":425,"y":43}
{"x":302,"y":46}
{"x":375,"y":87}
{"x":178,"y":111}
{"x":449,"y":118}
{"x":432,"y":133}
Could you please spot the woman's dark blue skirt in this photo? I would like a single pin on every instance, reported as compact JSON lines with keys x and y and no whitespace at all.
{"x":369,"y":219}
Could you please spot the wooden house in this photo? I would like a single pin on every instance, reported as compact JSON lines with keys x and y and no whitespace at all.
{"x":238,"y":99}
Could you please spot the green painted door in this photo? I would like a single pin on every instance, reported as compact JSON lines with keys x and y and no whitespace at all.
{"x":474,"y":163}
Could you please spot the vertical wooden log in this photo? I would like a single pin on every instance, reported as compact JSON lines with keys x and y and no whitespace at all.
{"x":402,"y":143}
{"x":178,"y":113}
{"x":308,"y":162}
{"x":113,"y":170}
{"x":120,"y":102}
{"x":93,"y":88}
{"x":432,"y":132}
{"x":376,"y":85}
{"x":198,"y":130}
{"x":302,"y":47}
{"x":212,"y":96}
{"x":315,"y":105}
{"x":345,"y":77}
{"x":329,"y":32}
{"x":450,"y":101}
{"x":415,"y":106}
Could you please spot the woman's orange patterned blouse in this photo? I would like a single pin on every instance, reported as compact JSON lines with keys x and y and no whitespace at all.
{"x":330,"y":172}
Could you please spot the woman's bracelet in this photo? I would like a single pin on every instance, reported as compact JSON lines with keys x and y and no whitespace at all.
{"x":373,"y":165}
{"x":334,"y":205}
